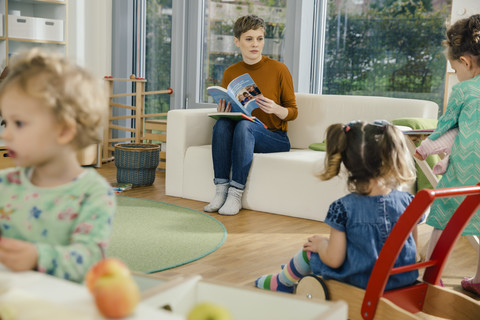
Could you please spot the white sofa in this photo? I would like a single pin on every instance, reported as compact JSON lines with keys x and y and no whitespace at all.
{"x":284,"y":182}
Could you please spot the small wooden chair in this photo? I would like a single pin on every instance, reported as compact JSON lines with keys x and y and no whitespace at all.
{"x":423,"y":296}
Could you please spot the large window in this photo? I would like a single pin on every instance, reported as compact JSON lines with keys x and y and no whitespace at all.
{"x":386,"y":48}
{"x":350,"y":47}
{"x":218,"y":48}
{"x":158,"y":54}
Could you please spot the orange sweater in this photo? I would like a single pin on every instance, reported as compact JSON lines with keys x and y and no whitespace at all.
{"x":275,"y":82}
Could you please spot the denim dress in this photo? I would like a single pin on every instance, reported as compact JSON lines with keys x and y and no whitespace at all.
{"x":367,"y":222}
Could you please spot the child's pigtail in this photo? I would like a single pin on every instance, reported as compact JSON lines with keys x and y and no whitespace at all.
{"x":397,"y":163}
{"x":336,"y":143}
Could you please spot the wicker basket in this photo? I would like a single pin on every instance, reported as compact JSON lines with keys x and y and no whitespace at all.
{"x":136,"y":163}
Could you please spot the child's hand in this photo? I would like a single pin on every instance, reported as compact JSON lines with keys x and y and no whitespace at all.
{"x":18,"y":255}
{"x":418,"y":156}
{"x":315,"y":243}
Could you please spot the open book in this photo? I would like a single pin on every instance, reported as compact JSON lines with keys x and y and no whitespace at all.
{"x":241,"y":93}
{"x":419,"y":131}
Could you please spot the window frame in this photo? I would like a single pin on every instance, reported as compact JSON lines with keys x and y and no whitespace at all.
{"x":188,"y":56}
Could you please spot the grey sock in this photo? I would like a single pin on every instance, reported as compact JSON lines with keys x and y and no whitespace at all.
{"x":233,"y":204}
{"x":219,"y":199}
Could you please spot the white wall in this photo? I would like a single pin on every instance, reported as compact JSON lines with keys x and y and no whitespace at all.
{"x":90,"y":35}
{"x":464,"y":8}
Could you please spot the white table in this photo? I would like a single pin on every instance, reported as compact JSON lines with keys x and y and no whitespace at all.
{"x":48,"y":297}
{"x":35,"y":295}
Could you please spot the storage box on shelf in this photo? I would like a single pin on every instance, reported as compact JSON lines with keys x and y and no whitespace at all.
{"x":32,"y":28}
{"x":21,"y":27}
{"x":30,"y":23}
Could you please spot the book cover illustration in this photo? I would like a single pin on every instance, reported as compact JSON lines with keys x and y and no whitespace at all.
{"x":241,"y":93}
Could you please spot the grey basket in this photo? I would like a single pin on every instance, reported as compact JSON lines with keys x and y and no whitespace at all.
{"x":136,"y":163}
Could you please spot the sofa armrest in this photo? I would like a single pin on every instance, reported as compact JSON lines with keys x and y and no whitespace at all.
{"x":185,"y":128}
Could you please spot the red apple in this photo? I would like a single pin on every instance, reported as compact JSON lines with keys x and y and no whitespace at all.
{"x":116,"y":293}
{"x":105,"y":267}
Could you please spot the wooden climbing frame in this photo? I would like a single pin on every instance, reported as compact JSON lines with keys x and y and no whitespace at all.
{"x":143,"y":130}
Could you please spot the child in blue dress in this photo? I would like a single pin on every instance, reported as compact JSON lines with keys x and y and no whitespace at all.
{"x":462,"y":112}
{"x":377,"y":162}
{"x":55,"y":215}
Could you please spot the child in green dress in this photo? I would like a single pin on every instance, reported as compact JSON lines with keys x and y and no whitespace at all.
{"x":463,"y":112}
{"x":55,"y":215}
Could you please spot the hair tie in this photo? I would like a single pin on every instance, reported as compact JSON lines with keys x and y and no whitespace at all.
{"x":346,"y":128}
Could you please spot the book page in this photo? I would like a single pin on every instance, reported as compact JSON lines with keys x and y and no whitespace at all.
{"x":246,"y":91}
{"x":218,"y":93}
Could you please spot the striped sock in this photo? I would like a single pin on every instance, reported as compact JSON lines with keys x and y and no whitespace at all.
{"x":286,"y":279}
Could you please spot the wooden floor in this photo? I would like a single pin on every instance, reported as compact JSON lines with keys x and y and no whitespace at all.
{"x":259,"y":243}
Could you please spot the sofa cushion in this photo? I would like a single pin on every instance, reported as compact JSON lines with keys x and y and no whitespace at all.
{"x":416,"y":123}
{"x":318,"y":146}
{"x":281,"y":182}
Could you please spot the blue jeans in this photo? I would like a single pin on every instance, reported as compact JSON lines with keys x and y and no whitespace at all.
{"x":233,"y":145}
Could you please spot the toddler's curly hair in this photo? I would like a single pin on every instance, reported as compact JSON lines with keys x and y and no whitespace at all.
{"x":75,"y":97}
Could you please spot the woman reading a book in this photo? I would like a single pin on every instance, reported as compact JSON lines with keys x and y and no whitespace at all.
{"x":235,"y":142}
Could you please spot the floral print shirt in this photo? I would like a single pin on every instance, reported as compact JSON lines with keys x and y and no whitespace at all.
{"x":70,"y":224}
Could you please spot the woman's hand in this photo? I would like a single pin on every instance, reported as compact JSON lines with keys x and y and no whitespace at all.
{"x":18,"y":255}
{"x":222,"y":107}
{"x":315,"y":243}
{"x":269,"y":106}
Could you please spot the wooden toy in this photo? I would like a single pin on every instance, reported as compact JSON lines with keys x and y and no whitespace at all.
{"x":142,"y":130}
{"x":424,"y":296}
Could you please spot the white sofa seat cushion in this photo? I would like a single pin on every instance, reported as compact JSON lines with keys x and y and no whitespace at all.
{"x":282,"y":182}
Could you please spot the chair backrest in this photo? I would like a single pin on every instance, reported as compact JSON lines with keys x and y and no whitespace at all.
{"x":316,"y":112}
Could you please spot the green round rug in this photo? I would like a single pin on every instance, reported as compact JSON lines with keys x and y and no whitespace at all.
{"x":152,"y":236}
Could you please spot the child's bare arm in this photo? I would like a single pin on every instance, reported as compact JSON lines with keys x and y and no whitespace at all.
{"x":331,"y":250}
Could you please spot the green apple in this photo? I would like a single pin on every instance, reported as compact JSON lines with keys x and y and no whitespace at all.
{"x":209,"y":311}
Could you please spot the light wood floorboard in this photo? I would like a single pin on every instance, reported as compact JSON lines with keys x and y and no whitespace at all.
{"x":259,"y":243}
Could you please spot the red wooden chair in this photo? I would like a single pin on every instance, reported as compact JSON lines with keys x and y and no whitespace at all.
{"x":424,"y":296}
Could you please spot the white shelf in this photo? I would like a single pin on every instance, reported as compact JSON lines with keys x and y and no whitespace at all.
{"x":42,"y":23}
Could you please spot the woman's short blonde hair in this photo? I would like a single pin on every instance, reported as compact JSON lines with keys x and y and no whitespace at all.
{"x":75,"y":97}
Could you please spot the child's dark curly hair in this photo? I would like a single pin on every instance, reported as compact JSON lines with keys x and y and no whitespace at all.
{"x":463,"y":38}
